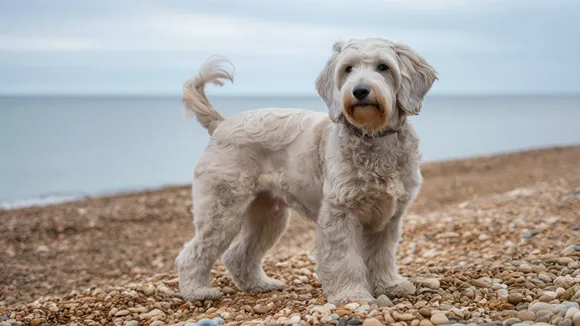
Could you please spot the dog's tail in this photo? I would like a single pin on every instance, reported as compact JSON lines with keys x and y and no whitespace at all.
{"x":213,"y":71}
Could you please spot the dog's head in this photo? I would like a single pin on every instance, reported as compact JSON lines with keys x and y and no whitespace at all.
{"x":373,"y":83}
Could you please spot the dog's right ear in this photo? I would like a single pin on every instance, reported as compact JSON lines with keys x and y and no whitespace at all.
{"x":325,"y":83}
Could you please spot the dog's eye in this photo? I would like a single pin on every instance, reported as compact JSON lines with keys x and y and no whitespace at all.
{"x":382,"y":67}
{"x":348,"y":69}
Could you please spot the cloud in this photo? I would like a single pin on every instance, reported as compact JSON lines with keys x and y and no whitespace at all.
{"x":164,"y":30}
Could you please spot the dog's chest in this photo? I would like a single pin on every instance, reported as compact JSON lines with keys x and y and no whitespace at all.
{"x":373,"y":187}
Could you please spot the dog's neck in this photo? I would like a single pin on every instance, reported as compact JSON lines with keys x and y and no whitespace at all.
{"x":357,"y":132}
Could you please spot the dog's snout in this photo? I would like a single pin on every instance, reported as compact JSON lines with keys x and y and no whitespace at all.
{"x":361,"y":91}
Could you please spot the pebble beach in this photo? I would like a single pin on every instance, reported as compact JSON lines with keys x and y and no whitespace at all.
{"x":490,"y":241}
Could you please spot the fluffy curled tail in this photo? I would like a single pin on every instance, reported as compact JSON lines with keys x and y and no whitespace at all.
{"x":213,"y":71}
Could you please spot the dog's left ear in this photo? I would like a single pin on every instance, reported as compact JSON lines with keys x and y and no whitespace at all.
{"x":325,"y":82}
{"x":417,"y":77}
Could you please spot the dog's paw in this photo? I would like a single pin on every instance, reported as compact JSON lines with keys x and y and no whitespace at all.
{"x":266,"y":284}
{"x":360,"y":296}
{"x":204,"y":293}
{"x":400,"y":288}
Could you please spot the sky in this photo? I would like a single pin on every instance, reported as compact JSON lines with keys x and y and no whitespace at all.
{"x":145,"y":47}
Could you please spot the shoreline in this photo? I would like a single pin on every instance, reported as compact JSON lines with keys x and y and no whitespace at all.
{"x":497,"y":211}
{"x":56,"y":199}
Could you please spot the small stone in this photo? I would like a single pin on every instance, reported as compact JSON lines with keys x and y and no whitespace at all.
{"x":529,"y":234}
{"x":260,"y":309}
{"x":525,"y":268}
{"x":42,"y":249}
{"x":352,"y":306}
{"x":541,"y":313}
{"x":132,"y":323}
{"x":157,"y":313}
{"x":511,"y":321}
{"x":356,"y":320}
{"x":402,"y":317}
{"x":425,"y":312}
{"x":425,"y":322}
{"x":565,"y":260}
{"x":431,"y":283}
{"x":540,"y":306}
{"x":383,"y":301}
{"x":342,"y":322}
{"x":205,"y":322}
{"x":218,"y":321}
{"x":481,"y":283}
{"x":565,"y":322}
{"x":228,"y":290}
{"x":34,"y":322}
{"x":571,"y":312}
{"x":372,"y":322}
{"x":526,"y":315}
{"x":122,"y":313}
{"x":293,"y":319}
{"x":157,"y":323}
{"x":439,"y":319}
{"x":576,"y":319}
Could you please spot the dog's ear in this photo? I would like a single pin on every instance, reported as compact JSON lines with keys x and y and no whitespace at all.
{"x":325,"y":82}
{"x":417,"y":77}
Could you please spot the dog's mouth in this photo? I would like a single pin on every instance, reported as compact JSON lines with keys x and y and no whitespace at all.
{"x":365,"y":106}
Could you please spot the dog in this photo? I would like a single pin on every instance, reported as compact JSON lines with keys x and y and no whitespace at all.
{"x":353,"y":171}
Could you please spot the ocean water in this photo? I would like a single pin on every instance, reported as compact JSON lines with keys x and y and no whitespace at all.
{"x":60,"y":148}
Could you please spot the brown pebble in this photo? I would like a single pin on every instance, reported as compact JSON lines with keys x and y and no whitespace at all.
{"x":425,"y":312}
{"x":372,"y":322}
{"x":515,"y":298}
{"x":261,"y":309}
{"x":228,"y":290}
{"x":526,"y":315}
{"x":35,"y":322}
{"x":425,"y":322}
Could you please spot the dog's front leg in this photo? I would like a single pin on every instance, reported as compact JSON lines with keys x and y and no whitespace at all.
{"x":340,"y":264}
{"x":380,"y":254}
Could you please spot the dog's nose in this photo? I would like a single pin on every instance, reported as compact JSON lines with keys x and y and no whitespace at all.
{"x":361,"y":91}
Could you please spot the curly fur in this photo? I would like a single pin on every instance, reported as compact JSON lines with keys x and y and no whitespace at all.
{"x":261,"y":163}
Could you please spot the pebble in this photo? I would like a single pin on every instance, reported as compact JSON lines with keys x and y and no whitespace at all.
{"x":535,"y":307}
{"x":157,"y":313}
{"x":383,"y":301}
{"x":157,"y":323}
{"x":132,"y":323}
{"x":526,"y":315}
{"x":372,"y":322}
{"x":122,"y":313}
{"x":511,"y":321}
{"x":439,"y":319}
{"x":228,"y":290}
{"x":402,"y":317}
{"x":525,"y":268}
{"x":425,"y":312}
{"x":425,"y":322}
{"x":481,"y":283}
{"x":571,"y":312}
{"x":205,"y":322}
{"x":220,"y":321}
{"x":576,"y":319}
{"x":356,"y":320}
{"x":431,"y":283}
{"x":261,"y":309}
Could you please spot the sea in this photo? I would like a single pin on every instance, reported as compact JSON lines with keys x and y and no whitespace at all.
{"x":55,"y":149}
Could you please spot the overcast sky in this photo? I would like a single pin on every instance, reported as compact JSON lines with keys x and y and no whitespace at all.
{"x":278,"y":47}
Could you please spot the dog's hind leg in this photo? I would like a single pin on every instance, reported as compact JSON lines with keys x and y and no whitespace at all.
{"x":265,"y":221}
{"x":218,"y":210}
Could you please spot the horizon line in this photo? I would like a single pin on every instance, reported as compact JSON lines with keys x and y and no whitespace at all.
{"x":268,"y":95}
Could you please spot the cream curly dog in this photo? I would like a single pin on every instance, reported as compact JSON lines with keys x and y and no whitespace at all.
{"x":354,"y":171}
